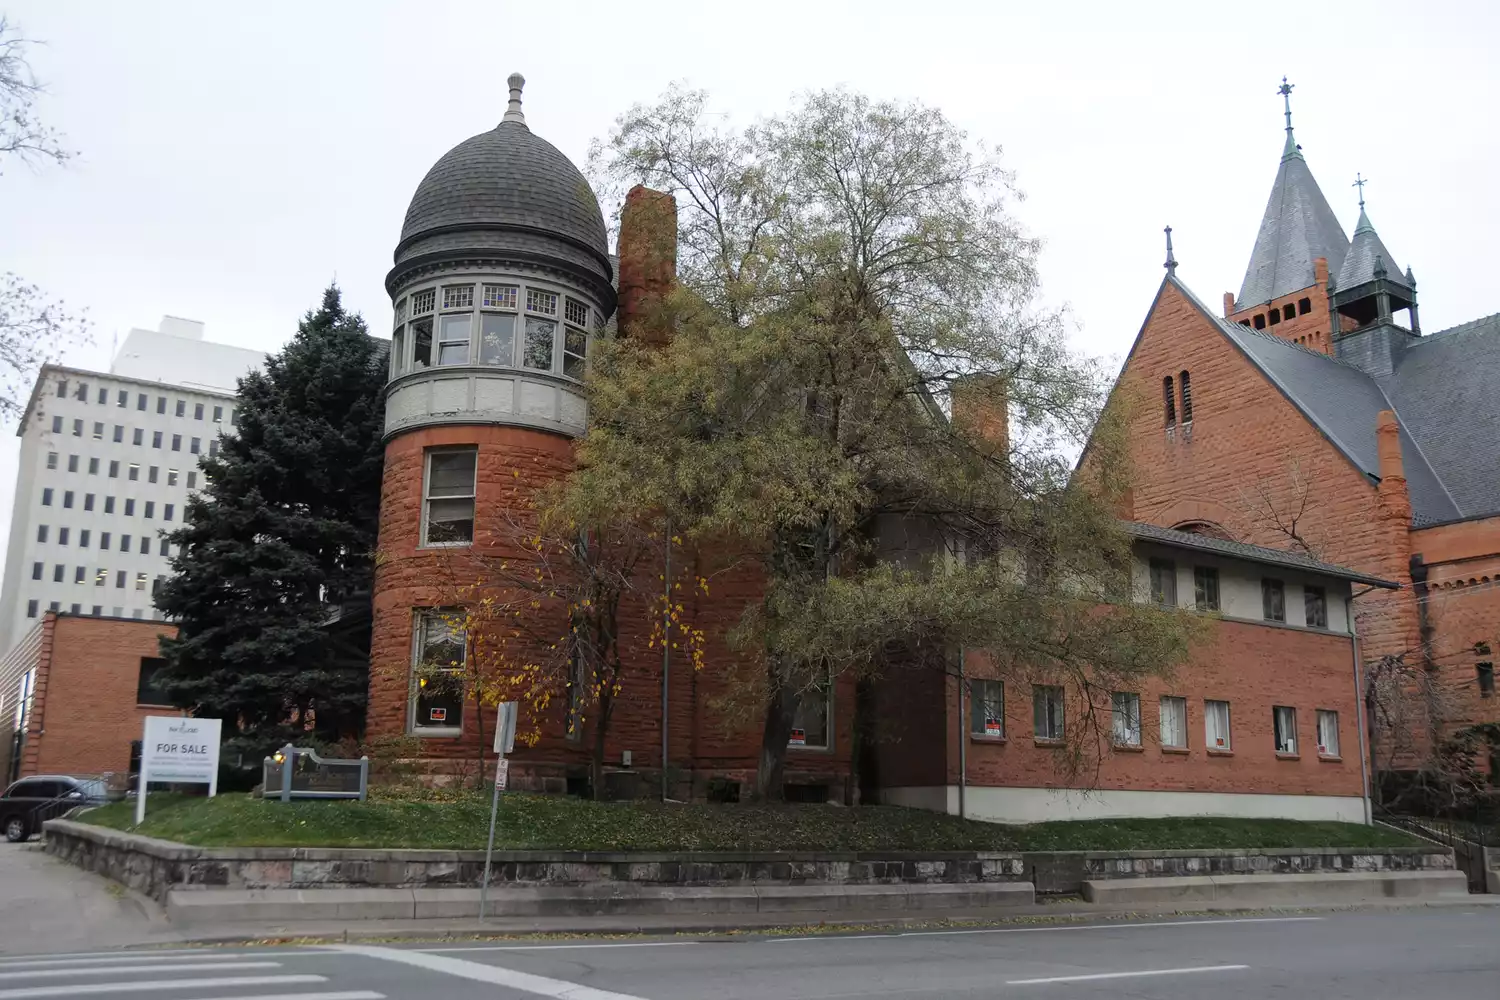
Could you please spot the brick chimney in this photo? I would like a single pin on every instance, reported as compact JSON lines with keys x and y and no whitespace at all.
{"x":1394,"y":501}
{"x":1228,"y":304}
{"x":980,"y":407}
{"x":648,"y":262}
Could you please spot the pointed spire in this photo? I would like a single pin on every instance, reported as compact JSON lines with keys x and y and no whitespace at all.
{"x":1171,"y":264}
{"x":1291,"y":148}
{"x":513,"y":109}
{"x":1360,"y":183}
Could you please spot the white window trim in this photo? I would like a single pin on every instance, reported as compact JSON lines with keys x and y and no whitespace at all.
{"x":420,"y":617}
{"x":427,"y":500}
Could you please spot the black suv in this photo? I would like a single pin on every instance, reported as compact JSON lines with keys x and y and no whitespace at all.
{"x":30,"y":802}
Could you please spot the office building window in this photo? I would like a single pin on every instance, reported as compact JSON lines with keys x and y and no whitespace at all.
{"x":213,"y":447}
{"x":1173,"y":722}
{"x":62,"y":388}
{"x":140,"y":401}
{"x":197,"y":411}
{"x":52,"y":460}
{"x":124,"y":543}
{"x":36,"y":571}
{"x":1284,"y":727}
{"x":93,"y":466}
{"x":114,"y":468}
{"x":1272,"y":600}
{"x":161,"y":404}
{"x":31,"y":609}
{"x":119,"y":433}
{"x":192,"y":479}
{"x":57,"y":425}
{"x":1205,"y":588}
{"x":79,"y":572}
{"x":151,"y":474}
{"x":109,"y":505}
{"x":218,"y":414}
{"x":78,"y":428}
{"x":98,"y":430}
{"x":166,"y":545}
{"x":67,"y":498}
{"x":1216,"y":725}
{"x":83,"y":538}
{"x":145,"y":545}
{"x":130,"y":507}
{"x":1315,"y":607}
{"x":150,"y":508}
{"x":171,"y":477}
{"x":72,"y":463}
{"x":62,"y":535}
{"x":138,"y":436}
{"x":140,"y":581}
{"x":156,"y":439}
{"x":41,"y":532}
{"x":82,"y":393}
{"x":101,"y":577}
{"x":59,"y":573}
{"x":181,"y":407}
{"x":1125,"y":718}
{"x":1328,"y":733}
{"x":1047,"y":711}
{"x":104,"y":540}
{"x":166,"y":514}
{"x":193,"y":446}
{"x":176,"y":442}
{"x":134,"y":472}
{"x":46,"y":496}
{"x":88,"y":501}
{"x":987,"y":708}
{"x":122,"y":400}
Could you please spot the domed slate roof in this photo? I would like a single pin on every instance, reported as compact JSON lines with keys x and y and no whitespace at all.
{"x":507,"y":188}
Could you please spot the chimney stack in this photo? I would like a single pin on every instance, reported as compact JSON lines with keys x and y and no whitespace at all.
{"x":648,"y":262}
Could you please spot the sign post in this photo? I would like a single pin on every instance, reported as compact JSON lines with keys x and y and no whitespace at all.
{"x":180,"y":750}
{"x":505,"y":742}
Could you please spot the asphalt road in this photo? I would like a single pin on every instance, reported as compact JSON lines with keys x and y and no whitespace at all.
{"x":1433,"y":954}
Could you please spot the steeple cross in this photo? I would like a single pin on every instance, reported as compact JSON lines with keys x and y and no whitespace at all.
{"x":1285,"y":90}
{"x":1360,"y":183}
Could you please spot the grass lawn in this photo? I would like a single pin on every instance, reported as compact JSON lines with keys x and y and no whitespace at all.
{"x":539,"y":822}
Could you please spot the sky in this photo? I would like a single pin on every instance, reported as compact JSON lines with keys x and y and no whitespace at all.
{"x":233,"y":159}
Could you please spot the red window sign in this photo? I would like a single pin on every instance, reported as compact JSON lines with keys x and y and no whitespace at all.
{"x":992,"y":727}
{"x":799,"y":738}
{"x":437,"y":715}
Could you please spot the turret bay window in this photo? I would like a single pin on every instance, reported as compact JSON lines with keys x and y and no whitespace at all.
{"x":491,"y":323}
{"x":448,"y":496}
{"x":439,"y":653}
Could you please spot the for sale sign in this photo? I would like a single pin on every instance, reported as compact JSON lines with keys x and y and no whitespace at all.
{"x":180,"y":750}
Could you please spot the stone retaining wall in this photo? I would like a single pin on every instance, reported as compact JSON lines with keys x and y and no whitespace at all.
{"x":155,"y":867}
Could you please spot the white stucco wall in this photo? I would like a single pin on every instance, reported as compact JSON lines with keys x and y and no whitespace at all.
{"x":1036,"y":805}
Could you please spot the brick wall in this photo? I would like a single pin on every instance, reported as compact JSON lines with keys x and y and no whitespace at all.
{"x":708,"y":738}
{"x":85,"y":714}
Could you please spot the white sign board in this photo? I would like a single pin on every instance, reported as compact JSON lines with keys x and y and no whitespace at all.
{"x":179,"y":750}
{"x":505,"y":727}
{"x":502,"y":773}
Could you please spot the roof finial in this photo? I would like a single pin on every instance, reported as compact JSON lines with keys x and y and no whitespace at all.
{"x":1360,"y":183}
{"x":1285,"y":90}
{"x":1171,"y":264}
{"x":513,"y":109}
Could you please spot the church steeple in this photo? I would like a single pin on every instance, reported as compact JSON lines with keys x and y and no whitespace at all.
{"x":1369,"y":284}
{"x":1298,"y":227}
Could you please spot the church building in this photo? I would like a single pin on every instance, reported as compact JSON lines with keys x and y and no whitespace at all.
{"x":1312,"y":413}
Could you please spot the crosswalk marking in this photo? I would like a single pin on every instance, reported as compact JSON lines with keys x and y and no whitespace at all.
{"x":125,"y":958}
{"x":157,"y":985}
{"x":110,"y":970}
{"x":344,"y":995}
{"x":100,"y":955}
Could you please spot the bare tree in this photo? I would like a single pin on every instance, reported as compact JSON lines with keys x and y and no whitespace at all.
{"x":1284,"y":505}
{"x":33,"y":328}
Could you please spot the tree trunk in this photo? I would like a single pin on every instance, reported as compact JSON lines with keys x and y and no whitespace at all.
{"x":780,"y":714}
{"x":596,"y":757}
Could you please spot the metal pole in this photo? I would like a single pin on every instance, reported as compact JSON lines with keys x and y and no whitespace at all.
{"x":963,"y":737}
{"x":666,"y":650}
{"x":489,"y":847}
{"x":1359,"y":702}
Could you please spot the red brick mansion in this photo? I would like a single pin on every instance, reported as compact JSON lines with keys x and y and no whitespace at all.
{"x":503,"y":277}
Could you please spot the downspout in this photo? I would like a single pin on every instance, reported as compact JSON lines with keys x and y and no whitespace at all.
{"x":666,"y":648}
{"x":963,"y":738}
{"x":1359,"y":701}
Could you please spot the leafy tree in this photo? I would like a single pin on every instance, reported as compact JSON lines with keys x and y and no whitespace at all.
{"x":861,"y":390}
{"x":33,"y":327}
{"x":279,"y":544}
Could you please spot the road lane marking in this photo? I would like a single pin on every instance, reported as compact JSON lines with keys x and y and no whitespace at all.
{"x":559,"y":989}
{"x":155,"y":985}
{"x":1126,"y":975}
{"x":111,"y":970}
{"x":562,"y":947}
{"x":834,"y":936}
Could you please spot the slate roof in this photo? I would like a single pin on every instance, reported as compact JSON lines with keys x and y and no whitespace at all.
{"x":1445,"y":391}
{"x":1359,"y":262}
{"x":1251,"y":553}
{"x":508,"y":179}
{"x":1343,"y":402}
{"x":1298,"y":227}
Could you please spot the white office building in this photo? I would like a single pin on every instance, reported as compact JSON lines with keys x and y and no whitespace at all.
{"x":107,"y":462}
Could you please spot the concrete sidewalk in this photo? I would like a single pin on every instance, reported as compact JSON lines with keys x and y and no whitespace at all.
{"x":52,"y":906}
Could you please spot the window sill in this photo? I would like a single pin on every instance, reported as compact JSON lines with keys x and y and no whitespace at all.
{"x":433,"y":733}
{"x":154,"y":704}
{"x":1215,"y":752}
{"x":1331,"y":758}
{"x":1044,"y":742}
{"x":445,"y":545}
{"x":1281,"y":755}
{"x":1177,"y":750}
{"x":808,"y":749}
{"x":983,"y":738}
{"x":1127,"y":748}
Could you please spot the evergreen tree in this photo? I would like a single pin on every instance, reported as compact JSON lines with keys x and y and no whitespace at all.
{"x":280,"y":543}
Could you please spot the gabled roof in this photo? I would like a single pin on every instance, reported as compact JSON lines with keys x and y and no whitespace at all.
{"x":1298,"y":227}
{"x":1359,"y":262}
{"x":1342,"y":402}
{"x":1251,"y":553}
{"x":1445,"y":391}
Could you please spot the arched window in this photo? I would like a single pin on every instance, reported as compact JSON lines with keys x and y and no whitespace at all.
{"x":1170,"y":398}
{"x":1187,"y":397}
